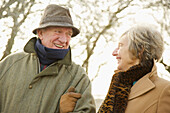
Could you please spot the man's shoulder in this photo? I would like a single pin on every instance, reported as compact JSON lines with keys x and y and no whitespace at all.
{"x":76,"y":68}
{"x":15,"y":56}
{"x":9,"y":61}
{"x":75,"y":64}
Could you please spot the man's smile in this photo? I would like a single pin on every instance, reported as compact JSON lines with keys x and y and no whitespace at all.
{"x":59,"y":46}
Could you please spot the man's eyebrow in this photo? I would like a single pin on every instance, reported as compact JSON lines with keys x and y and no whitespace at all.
{"x":57,"y":28}
{"x":70,"y":31}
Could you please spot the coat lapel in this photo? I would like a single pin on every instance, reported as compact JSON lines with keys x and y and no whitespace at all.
{"x":143,"y":85}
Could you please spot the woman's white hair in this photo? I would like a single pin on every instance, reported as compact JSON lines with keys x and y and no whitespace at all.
{"x":145,"y":43}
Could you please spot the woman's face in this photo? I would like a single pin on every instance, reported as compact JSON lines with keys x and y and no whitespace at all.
{"x":123,"y":55}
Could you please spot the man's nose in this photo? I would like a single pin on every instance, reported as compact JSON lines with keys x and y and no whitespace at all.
{"x":115,"y":52}
{"x":63,"y":38}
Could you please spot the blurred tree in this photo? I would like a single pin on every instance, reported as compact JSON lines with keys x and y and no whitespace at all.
{"x":98,"y":20}
{"x":17,"y":10}
{"x":95,"y":19}
{"x":164,"y":7}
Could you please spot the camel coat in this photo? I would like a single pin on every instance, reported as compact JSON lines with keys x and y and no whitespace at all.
{"x":150,"y":94}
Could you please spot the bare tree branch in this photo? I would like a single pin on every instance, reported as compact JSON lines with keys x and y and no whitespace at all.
{"x":6,"y":7}
{"x":112,"y":21}
{"x":15,"y":16}
{"x":97,"y":71}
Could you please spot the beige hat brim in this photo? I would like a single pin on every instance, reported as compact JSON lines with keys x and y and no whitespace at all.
{"x":75,"y":30}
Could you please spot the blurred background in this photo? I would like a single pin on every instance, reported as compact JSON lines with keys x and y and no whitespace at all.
{"x":101,"y":22}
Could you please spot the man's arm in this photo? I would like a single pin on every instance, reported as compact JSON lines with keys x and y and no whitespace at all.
{"x":68,"y":101}
{"x":80,"y":102}
{"x":82,"y":84}
{"x":86,"y":103}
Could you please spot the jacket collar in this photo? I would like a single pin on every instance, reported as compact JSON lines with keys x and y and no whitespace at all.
{"x":145,"y":84}
{"x":30,"y":48}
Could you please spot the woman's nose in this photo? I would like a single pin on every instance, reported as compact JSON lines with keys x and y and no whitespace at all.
{"x":115,"y":52}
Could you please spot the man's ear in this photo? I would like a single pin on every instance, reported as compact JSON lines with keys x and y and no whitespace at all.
{"x":39,"y":33}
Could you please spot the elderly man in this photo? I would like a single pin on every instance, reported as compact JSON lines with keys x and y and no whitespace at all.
{"x":43,"y":78}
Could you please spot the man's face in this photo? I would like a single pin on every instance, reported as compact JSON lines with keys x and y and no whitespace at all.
{"x":123,"y":55}
{"x":55,"y":37}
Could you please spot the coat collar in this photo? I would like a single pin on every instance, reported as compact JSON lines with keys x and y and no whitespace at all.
{"x":29,"y":48}
{"x":143,"y":85}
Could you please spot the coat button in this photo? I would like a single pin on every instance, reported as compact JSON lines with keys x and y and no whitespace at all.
{"x":30,"y":86}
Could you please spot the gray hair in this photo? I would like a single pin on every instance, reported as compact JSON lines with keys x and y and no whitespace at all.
{"x":145,"y":43}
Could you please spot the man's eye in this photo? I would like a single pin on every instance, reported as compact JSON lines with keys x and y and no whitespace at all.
{"x":58,"y":31}
{"x":70,"y":34}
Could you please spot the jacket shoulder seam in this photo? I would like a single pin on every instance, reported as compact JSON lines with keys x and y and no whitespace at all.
{"x":18,"y":59}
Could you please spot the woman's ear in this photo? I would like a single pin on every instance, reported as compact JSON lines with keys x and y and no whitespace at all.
{"x":140,"y":54}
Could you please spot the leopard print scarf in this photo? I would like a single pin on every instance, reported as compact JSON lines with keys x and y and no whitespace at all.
{"x":117,"y":97}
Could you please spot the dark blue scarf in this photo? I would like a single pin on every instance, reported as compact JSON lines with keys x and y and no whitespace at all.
{"x":48,"y":55}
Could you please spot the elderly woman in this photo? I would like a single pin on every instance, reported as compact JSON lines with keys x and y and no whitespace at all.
{"x":135,"y":87}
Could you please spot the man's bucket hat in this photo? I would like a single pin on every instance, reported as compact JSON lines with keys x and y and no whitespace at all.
{"x":58,"y":16}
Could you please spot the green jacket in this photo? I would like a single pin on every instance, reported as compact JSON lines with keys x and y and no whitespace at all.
{"x":24,"y":89}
